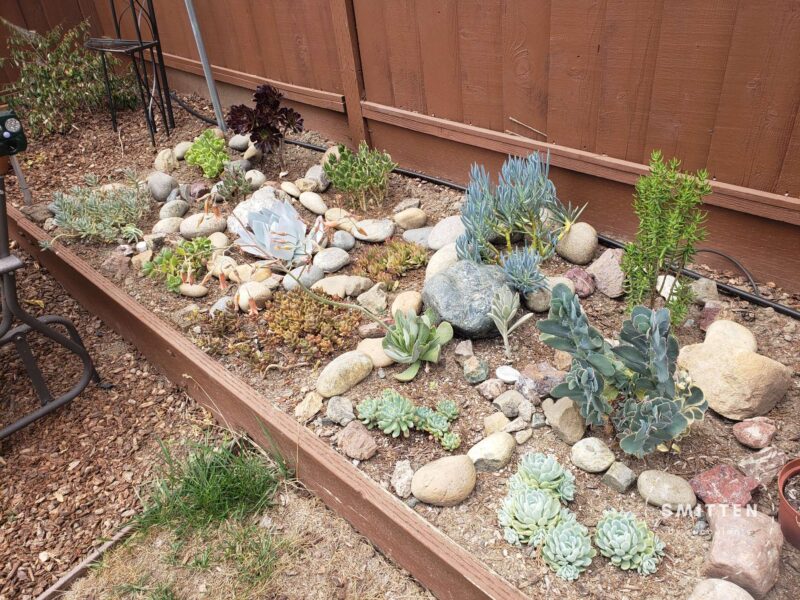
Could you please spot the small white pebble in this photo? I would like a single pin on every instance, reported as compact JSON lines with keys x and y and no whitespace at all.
{"x":507,"y":374}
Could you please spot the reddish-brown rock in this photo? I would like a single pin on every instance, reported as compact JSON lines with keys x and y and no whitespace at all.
{"x":356,"y":442}
{"x":745,"y":549}
{"x":724,"y":484}
{"x":756,"y":432}
{"x":584,"y":283}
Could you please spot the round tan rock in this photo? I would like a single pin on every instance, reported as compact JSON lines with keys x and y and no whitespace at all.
{"x":730,"y":336}
{"x":407,"y":301}
{"x":411,"y":218}
{"x":373,"y":347}
{"x":718,"y":589}
{"x":444,"y":482}
{"x":662,"y":489}
{"x":343,"y":372}
{"x":494,"y":452}
{"x":441,"y":259}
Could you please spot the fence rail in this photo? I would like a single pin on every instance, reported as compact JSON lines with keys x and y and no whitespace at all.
{"x":600,"y":83}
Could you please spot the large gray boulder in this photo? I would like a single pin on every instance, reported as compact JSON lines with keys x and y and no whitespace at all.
{"x":462,"y":295}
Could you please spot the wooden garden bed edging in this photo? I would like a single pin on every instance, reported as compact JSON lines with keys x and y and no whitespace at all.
{"x":438,"y":563}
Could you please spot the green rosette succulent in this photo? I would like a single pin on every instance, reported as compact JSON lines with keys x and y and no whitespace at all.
{"x":567,"y":549}
{"x":448,"y":408}
{"x":395,"y":414}
{"x":367,"y":411}
{"x":544,"y":472}
{"x":436,"y":424}
{"x":526,"y":514}
{"x":208,"y":153}
{"x":415,"y":339}
{"x":450,"y":441}
{"x":628,"y":542}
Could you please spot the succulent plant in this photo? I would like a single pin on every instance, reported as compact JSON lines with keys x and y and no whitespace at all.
{"x":413,"y":339}
{"x":527,"y":513}
{"x":208,"y":153}
{"x":628,"y":542}
{"x":395,"y":414}
{"x":521,"y":267}
{"x":567,"y":549}
{"x":421,"y":416}
{"x":448,"y":408}
{"x":233,"y":184}
{"x":362,"y":176}
{"x":450,"y":441}
{"x":183,"y":264}
{"x":544,"y":472}
{"x":505,"y":305}
{"x":367,"y":411}
{"x":654,"y":410}
{"x":436,"y":424}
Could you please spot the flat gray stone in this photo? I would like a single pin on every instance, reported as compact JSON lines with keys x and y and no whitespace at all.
{"x":307,"y":274}
{"x":331,"y":259}
{"x":373,"y":230}
{"x":662,"y":489}
{"x":619,"y":477}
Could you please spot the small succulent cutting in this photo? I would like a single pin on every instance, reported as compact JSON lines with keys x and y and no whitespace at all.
{"x":505,"y":305}
{"x":415,"y":339}
{"x":544,"y":472}
{"x":567,"y":549}
{"x":208,"y":153}
{"x":185,"y":264}
{"x":628,"y":542}
{"x":448,"y":408}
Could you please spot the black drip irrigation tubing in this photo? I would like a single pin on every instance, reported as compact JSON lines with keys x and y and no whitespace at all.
{"x":754,"y":298}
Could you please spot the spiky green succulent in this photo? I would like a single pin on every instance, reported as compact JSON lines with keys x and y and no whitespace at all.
{"x":367,"y":411}
{"x":450,"y":441}
{"x":414,"y":339}
{"x":567,"y":549}
{"x":526,"y":515}
{"x":395,"y":415}
{"x":448,"y":408}
{"x":628,"y":542}
{"x":544,"y":472}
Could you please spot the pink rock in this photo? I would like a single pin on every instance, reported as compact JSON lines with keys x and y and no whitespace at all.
{"x":745,"y":549}
{"x":763,"y":466}
{"x":356,"y":442}
{"x":756,"y":432}
{"x":544,"y":376}
{"x":712,"y":311}
{"x":198,"y":189}
{"x":608,"y":274}
{"x":491,"y":388}
{"x":724,"y":484}
{"x":584,"y":283}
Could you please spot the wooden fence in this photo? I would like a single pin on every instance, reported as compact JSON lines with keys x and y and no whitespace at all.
{"x":597,"y":83}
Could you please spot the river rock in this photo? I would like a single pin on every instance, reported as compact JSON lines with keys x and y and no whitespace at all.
{"x":307,"y":274}
{"x":222,"y":305}
{"x":493,"y":452}
{"x":193,"y":290}
{"x":202,"y":225}
{"x":755,"y":433}
{"x":463,"y":351}
{"x":253,"y":154}
{"x":291,"y":189}
{"x":418,"y":236}
{"x":343,"y":240}
{"x":342,"y":286}
{"x":356,"y":441}
{"x":565,"y":418}
{"x":138,"y":261}
{"x":255,"y":178}
{"x":704,"y":290}
{"x":441,"y":260}
{"x":583,"y":282}
{"x":160,"y":185}
{"x":401,"y":478}
{"x":180,"y":149}
{"x":494,"y":423}
{"x":444,"y":482}
{"x":405,"y":204}
{"x":339,"y":410}
{"x":462,"y":295}
{"x":662,"y":489}
{"x":539,"y":301}
{"x":718,"y":589}
{"x":607,"y":272}
{"x":411,"y":218}
{"x":170,"y":225}
{"x":343,"y":372}
{"x":507,"y":374}
{"x":331,"y":152}
{"x":544,"y":377}
{"x":724,"y":484}
{"x":745,"y":549}
{"x":409,"y":301}
{"x":737,"y":382}
{"x":239,"y":142}
{"x":308,"y":408}
{"x":508,"y":403}
{"x":374,"y":299}
{"x":331,"y":260}
{"x":445,"y":232}
{"x":373,"y":347}
{"x":579,"y":244}
{"x":373,"y":230}
{"x":313,"y":202}
{"x":317,"y":174}
{"x":165,"y":161}
{"x":619,"y":477}
{"x":173,"y":208}
{"x":591,"y":455}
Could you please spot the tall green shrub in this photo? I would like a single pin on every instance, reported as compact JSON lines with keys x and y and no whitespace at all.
{"x":667,"y":203}
{"x":59,"y":79}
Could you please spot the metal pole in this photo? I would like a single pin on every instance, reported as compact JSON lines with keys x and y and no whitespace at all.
{"x":23,"y":184}
{"x":201,"y":50}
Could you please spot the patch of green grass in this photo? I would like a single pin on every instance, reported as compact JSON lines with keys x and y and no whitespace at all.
{"x":212,"y":484}
{"x":254,"y":551}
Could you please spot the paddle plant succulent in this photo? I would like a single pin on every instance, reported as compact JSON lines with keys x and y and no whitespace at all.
{"x":633,"y":385}
{"x":567,"y":549}
{"x":628,"y":542}
{"x":414,"y":339}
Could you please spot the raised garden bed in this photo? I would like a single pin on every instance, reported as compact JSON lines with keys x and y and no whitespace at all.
{"x":257,"y":396}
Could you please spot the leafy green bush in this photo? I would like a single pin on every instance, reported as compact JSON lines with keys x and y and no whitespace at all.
{"x":208,"y":153}
{"x":362,"y":176}
{"x":100,"y":214}
{"x":633,"y":384}
{"x":59,"y":79}
{"x":667,"y":203}
{"x":184,"y":264}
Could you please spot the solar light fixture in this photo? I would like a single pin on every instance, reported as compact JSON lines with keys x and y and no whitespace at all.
{"x":12,"y":136}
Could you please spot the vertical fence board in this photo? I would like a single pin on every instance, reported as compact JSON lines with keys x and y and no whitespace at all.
{"x":628,"y":56}
{"x":760,"y":95}
{"x":441,"y":72}
{"x":789,"y":181}
{"x":693,"y":49}
{"x":371,"y":31}
{"x":405,"y":59}
{"x":576,"y":28}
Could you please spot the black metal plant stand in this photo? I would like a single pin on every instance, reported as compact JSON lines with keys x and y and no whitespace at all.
{"x":137,"y":49}
{"x":12,"y":311}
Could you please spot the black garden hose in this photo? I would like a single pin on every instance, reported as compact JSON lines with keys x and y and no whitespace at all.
{"x":754,"y":298}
